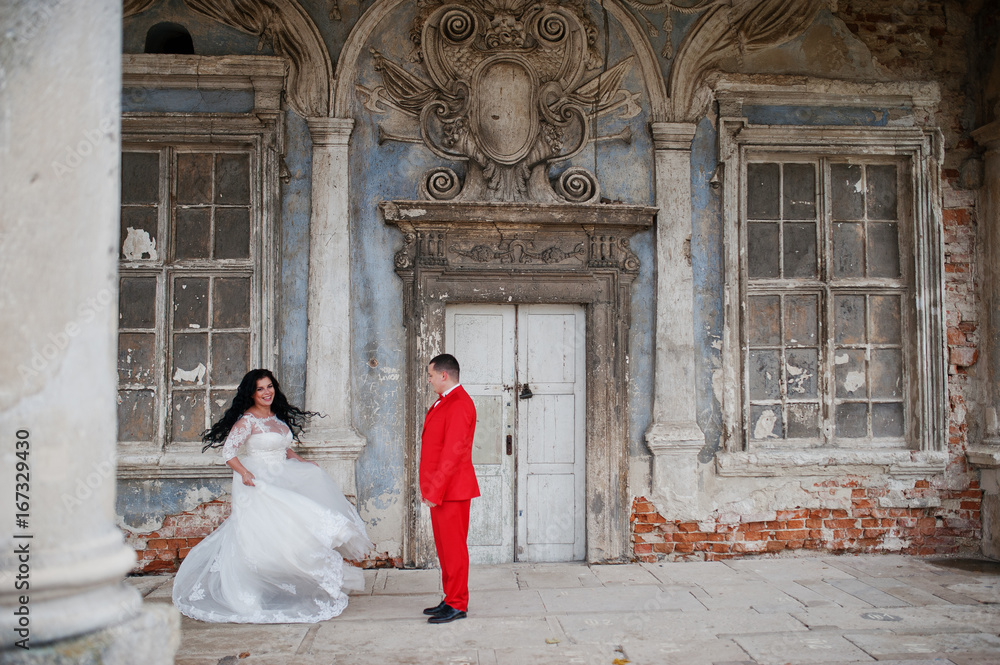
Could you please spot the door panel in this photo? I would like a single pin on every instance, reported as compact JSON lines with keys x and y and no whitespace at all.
{"x":551,"y":451}
{"x":532,"y":506}
{"x":482,"y":338}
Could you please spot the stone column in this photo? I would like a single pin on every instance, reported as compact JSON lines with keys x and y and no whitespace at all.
{"x":674,"y":437}
{"x":62,"y":593}
{"x":987,"y":455}
{"x":332,"y":441}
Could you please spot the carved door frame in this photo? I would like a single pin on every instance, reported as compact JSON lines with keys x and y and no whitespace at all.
{"x":515,"y":255}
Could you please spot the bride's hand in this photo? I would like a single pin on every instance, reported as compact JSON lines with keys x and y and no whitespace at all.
{"x":248,"y":478}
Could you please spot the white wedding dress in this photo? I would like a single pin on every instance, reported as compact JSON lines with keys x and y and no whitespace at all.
{"x":279,"y":558}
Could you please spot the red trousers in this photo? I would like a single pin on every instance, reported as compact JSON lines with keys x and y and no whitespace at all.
{"x":450,"y":521}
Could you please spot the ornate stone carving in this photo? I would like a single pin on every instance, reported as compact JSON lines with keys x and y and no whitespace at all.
{"x":291,"y":33}
{"x":510,"y":88}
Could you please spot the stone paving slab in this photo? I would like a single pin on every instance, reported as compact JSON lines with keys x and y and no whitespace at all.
{"x":556,"y":576}
{"x":710,"y":572}
{"x":867,"y":593}
{"x":880,"y":645}
{"x":790,"y":570}
{"x":761,"y":596}
{"x":816,"y":647}
{"x":902,"y":620}
{"x":619,"y":599}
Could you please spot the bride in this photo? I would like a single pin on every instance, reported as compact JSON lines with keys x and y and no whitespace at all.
{"x":279,"y":558}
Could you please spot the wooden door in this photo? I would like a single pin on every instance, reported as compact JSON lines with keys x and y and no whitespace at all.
{"x":481,"y":337}
{"x":524,"y":368}
{"x":551,"y":427}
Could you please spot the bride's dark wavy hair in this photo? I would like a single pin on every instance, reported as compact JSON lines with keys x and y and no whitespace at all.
{"x":293,"y":416}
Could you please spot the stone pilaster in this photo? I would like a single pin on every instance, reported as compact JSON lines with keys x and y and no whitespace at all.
{"x":331,"y":441}
{"x":986,"y":456}
{"x":674,"y":437}
{"x":62,"y":593}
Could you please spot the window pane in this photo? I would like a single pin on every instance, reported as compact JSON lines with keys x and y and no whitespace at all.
{"x":230,"y":358}
{"x":887,"y":373}
{"x":138,"y":234}
{"x":190,"y":359}
{"x":191,"y":302}
{"x":852,"y":420}
{"x":221,"y":400}
{"x":187,"y":417}
{"x":194,"y":178}
{"x":883,"y":250}
{"x":849,"y":319}
{"x":764,"y":320}
{"x":800,"y":320}
{"x":232,"y":178}
{"x":803,"y":421}
{"x":885,"y":320}
{"x":135,"y":415}
{"x":887,"y":420}
{"x":231,"y":306}
{"x":881,"y":192}
{"x":136,"y":358}
{"x":800,"y":191}
{"x":765,"y":374}
{"x":762,"y":250}
{"x":137,"y":302}
{"x":850,"y":373}
{"x":847,"y":191}
{"x":762,"y":191}
{"x":140,"y":177}
{"x":192,"y":233}
{"x":766,"y":422}
{"x":800,"y":250}
{"x":232,"y":233}
{"x":848,"y":250}
{"x":801,"y":371}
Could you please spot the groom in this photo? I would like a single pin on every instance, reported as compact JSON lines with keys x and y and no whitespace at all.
{"x":448,"y":483}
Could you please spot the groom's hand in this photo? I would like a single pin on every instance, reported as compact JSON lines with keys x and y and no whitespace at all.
{"x":429,"y":504}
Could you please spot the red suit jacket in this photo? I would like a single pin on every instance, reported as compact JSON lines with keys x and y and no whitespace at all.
{"x":446,"y":472}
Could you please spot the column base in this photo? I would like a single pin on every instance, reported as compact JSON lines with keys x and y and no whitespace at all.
{"x":151,"y":637}
{"x":987,"y":459}
{"x":335,"y":449}
{"x":675,"y":447}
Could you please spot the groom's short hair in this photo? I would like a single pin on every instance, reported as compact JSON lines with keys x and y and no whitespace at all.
{"x":446,"y":363}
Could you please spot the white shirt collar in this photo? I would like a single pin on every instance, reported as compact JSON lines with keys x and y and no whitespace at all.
{"x":450,"y":389}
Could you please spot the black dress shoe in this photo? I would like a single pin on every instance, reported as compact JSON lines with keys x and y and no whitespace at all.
{"x":436,"y":610}
{"x":449,"y":613}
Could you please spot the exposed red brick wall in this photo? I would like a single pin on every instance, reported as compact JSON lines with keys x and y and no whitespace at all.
{"x":953,"y":526}
{"x":164,"y":549}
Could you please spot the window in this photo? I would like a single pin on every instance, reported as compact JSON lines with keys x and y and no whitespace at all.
{"x":192,"y":288}
{"x":826,"y":295}
{"x":834,"y":334}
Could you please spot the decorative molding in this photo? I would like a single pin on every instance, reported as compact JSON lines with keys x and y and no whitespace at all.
{"x":731,"y":29}
{"x":673,"y":135}
{"x":988,"y":136}
{"x":984,"y":457}
{"x":733,"y":91}
{"x":291,"y":33}
{"x":509,"y":89}
{"x":519,"y":253}
{"x":357,"y":44}
{"x":264,"y":75}
{"x":831,"y":462}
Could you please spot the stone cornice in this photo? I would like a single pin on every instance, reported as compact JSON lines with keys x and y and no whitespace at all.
{"x":490,"y":214}
{"x":988,"y":136}
{"x":330,"y":131}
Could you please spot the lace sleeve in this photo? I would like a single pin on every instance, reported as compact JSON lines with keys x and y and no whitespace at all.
{"x":237,"y":437}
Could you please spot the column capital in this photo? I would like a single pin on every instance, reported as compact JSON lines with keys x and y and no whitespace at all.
{"x":673,"y":135}
{"x":988,"y":136}
{"x":330,"y":131}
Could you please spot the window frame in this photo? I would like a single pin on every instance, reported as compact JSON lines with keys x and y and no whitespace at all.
{"x":259,"y":135}
{"x":739,"y":144}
